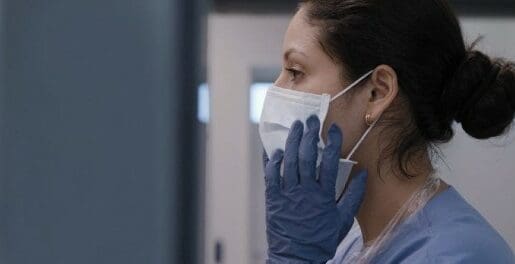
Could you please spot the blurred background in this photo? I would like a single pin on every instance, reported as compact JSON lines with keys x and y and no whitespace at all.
{"x":128,"y":129}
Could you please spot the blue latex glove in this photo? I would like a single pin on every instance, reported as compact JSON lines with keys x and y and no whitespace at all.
{"x":304,"y":222}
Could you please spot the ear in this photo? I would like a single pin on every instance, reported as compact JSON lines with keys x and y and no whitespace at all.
{"x":383,"y":90}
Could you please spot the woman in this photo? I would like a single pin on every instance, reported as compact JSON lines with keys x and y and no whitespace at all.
{"x":408,"y":76}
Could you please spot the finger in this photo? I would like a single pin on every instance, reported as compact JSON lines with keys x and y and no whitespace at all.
{"x":291,"y":156}
{"x":330,"y":159}
{"x":273,"y":172}
{"x":352,"y":200}
{"x":308,"y":151}
{"x":265,"y":159}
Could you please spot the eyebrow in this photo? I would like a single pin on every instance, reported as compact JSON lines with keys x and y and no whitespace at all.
{"x":293,"y":50}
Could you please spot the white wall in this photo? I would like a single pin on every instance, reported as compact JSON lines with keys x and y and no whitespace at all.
{"x":235,"y":45}
{"x":482,"y":172}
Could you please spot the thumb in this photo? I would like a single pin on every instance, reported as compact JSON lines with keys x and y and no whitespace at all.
{"x":351,"y":201}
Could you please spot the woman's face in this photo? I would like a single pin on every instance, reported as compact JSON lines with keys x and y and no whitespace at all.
{"x":307,"y":68}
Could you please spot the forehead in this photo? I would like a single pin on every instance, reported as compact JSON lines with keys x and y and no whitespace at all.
{"x":301,"y":35}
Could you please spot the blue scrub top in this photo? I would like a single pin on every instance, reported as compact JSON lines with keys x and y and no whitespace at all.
{"x":446,"y":230}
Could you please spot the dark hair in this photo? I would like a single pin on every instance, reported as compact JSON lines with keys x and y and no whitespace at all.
{"x":440,"y":79}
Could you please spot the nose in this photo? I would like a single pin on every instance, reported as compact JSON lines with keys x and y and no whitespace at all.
{"x":280,"y":80}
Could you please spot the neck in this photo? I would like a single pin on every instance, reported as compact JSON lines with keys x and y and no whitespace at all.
{"x":386,"y":193}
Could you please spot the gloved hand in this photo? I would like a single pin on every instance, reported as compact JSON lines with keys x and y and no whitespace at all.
{"x":304,"y":222}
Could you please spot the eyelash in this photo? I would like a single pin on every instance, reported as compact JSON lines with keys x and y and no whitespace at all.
{"x":294,"y":74}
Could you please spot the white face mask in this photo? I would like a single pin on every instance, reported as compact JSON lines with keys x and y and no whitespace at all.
{"x":282,"y":107}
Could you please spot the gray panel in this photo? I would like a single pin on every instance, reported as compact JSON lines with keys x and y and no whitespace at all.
{"x":95,"y":113}
{"x":3,"y":196}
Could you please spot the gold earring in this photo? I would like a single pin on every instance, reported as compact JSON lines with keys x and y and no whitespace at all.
{"x":368,"y":119}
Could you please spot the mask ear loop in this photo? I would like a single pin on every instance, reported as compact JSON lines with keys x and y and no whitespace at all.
{"x":355,"y":148}
{"x":352,"y":85}
{"x":361,"y":139}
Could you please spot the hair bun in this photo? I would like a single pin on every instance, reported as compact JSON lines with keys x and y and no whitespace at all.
{"x":482,"y":95}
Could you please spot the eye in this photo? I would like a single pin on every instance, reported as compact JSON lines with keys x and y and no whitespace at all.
{"x":294,"y":74}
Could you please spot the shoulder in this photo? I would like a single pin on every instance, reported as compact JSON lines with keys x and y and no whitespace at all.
{"x":449,"y":230}
{"x":462,"y":235}
{"x":468,"y":243}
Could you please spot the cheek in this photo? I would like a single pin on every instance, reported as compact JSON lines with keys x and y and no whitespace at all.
{"x":318,"y":84}
{"x":350,"y":119}
{"x":317,"y":79}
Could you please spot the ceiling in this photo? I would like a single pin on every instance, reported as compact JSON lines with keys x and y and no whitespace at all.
{"x":463,"y":7}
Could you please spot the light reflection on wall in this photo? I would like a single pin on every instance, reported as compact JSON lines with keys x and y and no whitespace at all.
{"x":203,"y":103}
{"x":257,"y":98}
